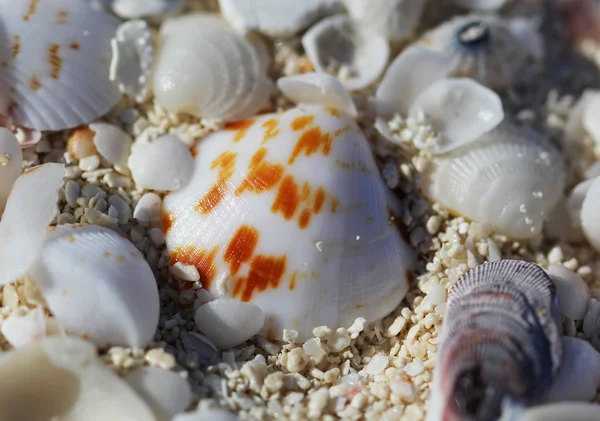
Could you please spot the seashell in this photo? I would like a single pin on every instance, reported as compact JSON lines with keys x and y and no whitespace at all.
{"x":30,"y":208}
{"x":135,"y":9}
{"x":500,"y":344}
{"x":481,"y":5}
{"x":229,"y":322}
{"x":411,"y":72}
{"x":575,"y":201}
{"x":579,"y":376}
{"x":148,"y":209}
{"x":575,"y":127}
{"x":169,"y":154}
{"x":589,"y":213}
{"x":11,"y":161}
{"x":211,"y":415}
{"x":338,"y":42}
{"x":166,"y":392}
{"x":205,"y":69}
{"x":461,"y":110}
{"x":87,"y":272}
{"x":572,"y":292}
{"x":132,"y":58}
{"x":56,"y":76}
{"x":317,"y":89}
{"x":62,"y":378}
{"x":80,"y":143}
{"x":484,"y":48}
{"x":23,"y":330}
{"x":307,"y":174}
{"x":112,"y":143}
{"x":511,"y":178}
{"x":275,"y":18}
{"x":562,"y":411}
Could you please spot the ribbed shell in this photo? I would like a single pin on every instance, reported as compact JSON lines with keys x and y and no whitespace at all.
{"x":511,"y":178}
{"x":56,"y":55}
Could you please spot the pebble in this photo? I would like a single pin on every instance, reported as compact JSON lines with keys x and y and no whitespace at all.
{"x":157,"y":236}
{"x":296,"y":360}
{"x":318,"y":401}
{"x":339,"y":340}
{"x":313,"y":348}
{"x":158,"y":357}
{"x":185,"y":272}
{"x":378,"y":363}
{"x":115,"y":180}
{"x":72,"y":191}
{"x":89,"y":163}
{"x":122,"y":207}
{"x":414,"y":368}
{"x":148,"y":209}
{"x":396,"y":327}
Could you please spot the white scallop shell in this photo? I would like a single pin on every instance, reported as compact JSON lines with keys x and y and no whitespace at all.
{"x":590,"y":215}
{"x":317,"y":89}
{"x":572,"y":292}
{"x":289,"y":211}
{"x":31,"y":206}
{"x":89,"y":273}
{"x":112,"y":143}
{"x":396,"y":19}
{"x":134,"y":9}
{"x":339,"y":42}
{"x":56,"y":59}
{"x":511,"y":178}
{"x":274,"y":17}
{"x":204,"y":68}
{"x":132,"y":58}
{"x":169,"y":154}
{"x":483,"y":47}
{"x":11,"y":160}
{"x":461,"y":110}
{"x":23,"y":330}
{"x":481,"y":5}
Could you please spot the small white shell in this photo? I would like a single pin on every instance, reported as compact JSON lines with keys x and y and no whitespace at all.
{"x":274,"y":17}
{"x":573,"y":293}
{"x":56,"y":73}
{"x":24,"y":330}
{"x":411,"y":72}
{"x":461,"y":110}
{"x":134,"y":9}
{"x":511,"y":178}
{"x":148,"y":209}
{"x":562,"y":411}
{"x":132,"y":58}
{"x":11,"y":160}
{"x":317,"y":89}
{"x":89,"y":273}
{"x":575,"y":126}
{"x":481,"y":5}
{"x":338,"y":42}
{"x":396,"y":19}
{"x":168,"y":153}
{"x":229,"y":322}
{"x":206,"y":69}
{"x":166,"y":392}
{"x":576,"y":199}
{"x":31,"y":206}
{"x":112,"y":143}
{"x":212,"y":415}
{"x":590,"y":216}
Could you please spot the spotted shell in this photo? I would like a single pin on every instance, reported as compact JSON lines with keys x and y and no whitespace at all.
{"x":54,"y":63}
{"x":206,"y":69}
{"x":500,"y":343}
{"x":511,"y":178}
{"x":288,"y":211}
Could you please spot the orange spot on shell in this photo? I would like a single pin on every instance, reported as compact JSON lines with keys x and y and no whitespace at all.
{"x":203,"y":260}
{"x":287,"y":199}
{"x":241,"y":127}
{"x":301,"y":122}
{"x":167,"y":219}
{"x":311,"y":142}
{"x":34,"y":83}
{"x":262,"y":176}
{"x":265,"y":272}
{"x":106,"y":254}
{"x":81,"y":143}
{"x":241,"y":247}
{"x":16,"y":46}
{"x":63,"y":17}
{"x":304,"y":219}
{"x":293,"y":281}
{"x":31,"y":10}
{"x":334,"y":111}
{"x":272,"y":127}
{"x":120,"y":258}
{"x":71,"y":239}
{"x":226,"y":164}
{"x":55,"y":61}
{"x":74,"y":46}
{"x":319,"y":200}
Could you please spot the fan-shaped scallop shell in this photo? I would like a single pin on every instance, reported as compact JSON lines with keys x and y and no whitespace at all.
{"x":485,"y":48}
{"x":500,"y":343}
{"x":206,"y":69}
{"x":54,"y":73}
{"x":289,"y":212}
{"x":511,"y":178}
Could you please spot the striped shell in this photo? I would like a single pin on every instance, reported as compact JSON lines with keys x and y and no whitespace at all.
{"x":206,"y":69}
{"x":55,"y":60}
{"x":500,"y":342}
{"x":511,"y":178}
{"x":289,"y":212}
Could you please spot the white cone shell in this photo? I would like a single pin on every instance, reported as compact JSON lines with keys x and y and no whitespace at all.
{"x":112,"y":143}
{"x":331,"y":250}
{"x":31,"y":206}
{"x":339,"y":40}
{"x":572,"y":292}
{"x":590,"y":216}
{"x":58,"y":58}
{"x":11,"y":160}
{"x":461,"y":110}
{"x":510,"y":179}
{"x":98,"y":285}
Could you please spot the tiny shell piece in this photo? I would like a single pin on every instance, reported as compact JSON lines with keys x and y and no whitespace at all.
{"x":135,"y":9}
{"x":168,"y":153}
{"x":396,"y":19}
{"x":80,"y":143}
{"x":562,"y":411}
{"x":31,"y":206}
{"x":572,"y":292}
{"x":317,"y":89}
{"x":590,"y":215}
{"x":166,"y":392}
{"x":24,"y":330}
{"x":132,"y":58}
{"x":148,"y":209}
{"x":229,"y":322}
{"x":212,"y":415}
{"x":57,"y":58}
{"x":461,"y":110}
{"x":339,"y":42}
{"x":87,"y":272}
{"x":275,"y":18}
{"x":112,"y":143}
{"x":11,"y":160}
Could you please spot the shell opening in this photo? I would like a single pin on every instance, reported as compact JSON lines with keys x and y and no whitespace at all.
{"x":473,"y":34}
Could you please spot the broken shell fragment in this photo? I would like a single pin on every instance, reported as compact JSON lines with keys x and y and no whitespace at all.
{"x":169,"y":154}
{"x":80,"y":143}
{"x":112,"y":143}
{"x":11,"y":160}
{"x":56,"y":74}
{"x":87,"y":272}
{"x":340,"y":44}
{"x":289,"y":212}
{"x":572,"y":292}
